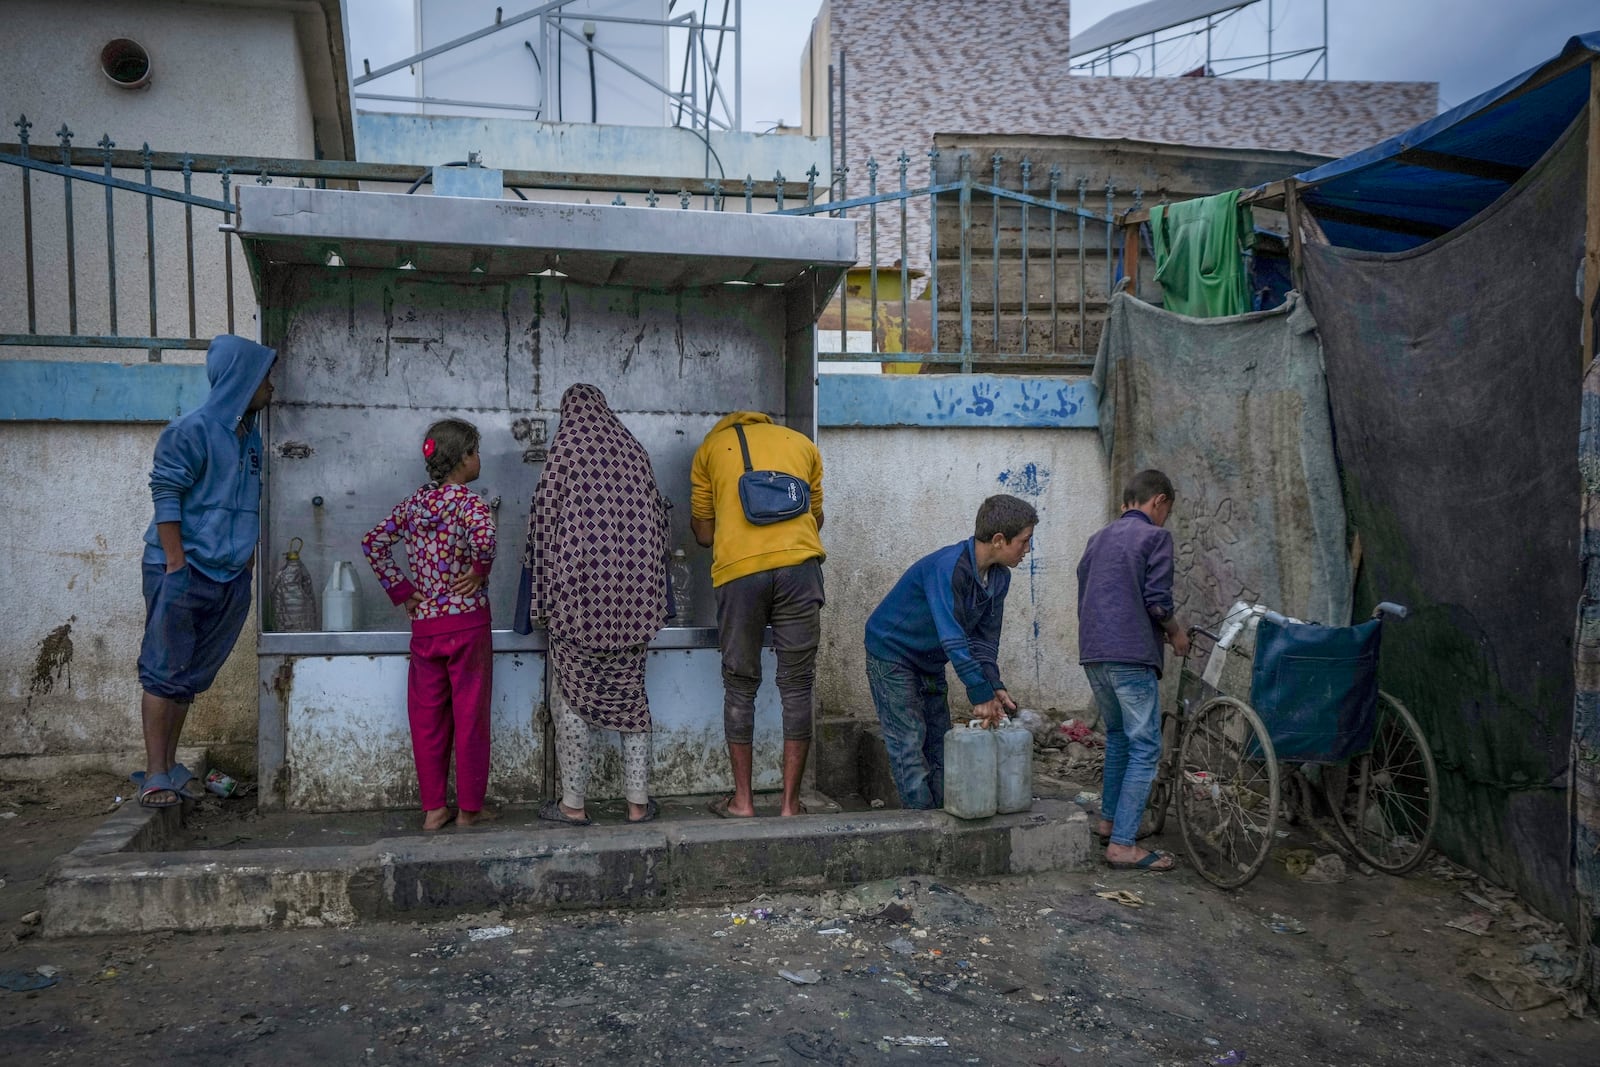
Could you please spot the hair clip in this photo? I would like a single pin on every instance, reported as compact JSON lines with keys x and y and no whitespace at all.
{"x":428,"y":448}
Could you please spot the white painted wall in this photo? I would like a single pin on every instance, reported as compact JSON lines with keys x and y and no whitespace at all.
{"x":73,"y":497}
{"x":893,"y":495}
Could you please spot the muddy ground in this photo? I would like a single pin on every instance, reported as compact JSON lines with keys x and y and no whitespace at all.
{"x":1036,"y":970}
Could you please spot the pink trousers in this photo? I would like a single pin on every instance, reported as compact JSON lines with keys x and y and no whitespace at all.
{"x":447,"y":698}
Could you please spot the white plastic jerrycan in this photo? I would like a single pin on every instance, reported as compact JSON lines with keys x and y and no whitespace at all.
{"x":1014,"y":765}
{"x":339,"y":598}
{"x":970,"y":771}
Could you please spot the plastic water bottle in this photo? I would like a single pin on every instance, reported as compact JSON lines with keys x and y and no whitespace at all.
{"x":971,"y":772}
{"x":1014,"y":767}
{"x":294,"y":602}
{"x":682,"y":588}
{"x":339,"y":598}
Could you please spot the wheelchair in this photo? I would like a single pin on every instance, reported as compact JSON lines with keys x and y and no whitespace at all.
{"x":1314,"y":712}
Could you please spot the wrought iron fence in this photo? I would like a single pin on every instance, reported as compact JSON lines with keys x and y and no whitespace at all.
{"x":182,"y":277}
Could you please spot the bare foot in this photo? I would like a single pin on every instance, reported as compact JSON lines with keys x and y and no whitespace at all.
{"x":797,"y":808}
{"x":473,"y":818}
{"x":436,"y":818}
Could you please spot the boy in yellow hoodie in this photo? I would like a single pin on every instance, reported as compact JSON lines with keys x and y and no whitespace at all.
{"x":769,"y":575}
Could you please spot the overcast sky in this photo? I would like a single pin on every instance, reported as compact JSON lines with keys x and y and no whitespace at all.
{"x":1468,"y":46}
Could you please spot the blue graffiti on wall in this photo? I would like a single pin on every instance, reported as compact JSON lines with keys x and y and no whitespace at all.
{"x":1030,"y":480}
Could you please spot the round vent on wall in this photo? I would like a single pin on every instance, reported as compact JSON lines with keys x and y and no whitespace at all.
{"x":126,"y":63}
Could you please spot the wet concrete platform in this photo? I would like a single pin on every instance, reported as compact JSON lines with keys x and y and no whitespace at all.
{"x":144,"y":871}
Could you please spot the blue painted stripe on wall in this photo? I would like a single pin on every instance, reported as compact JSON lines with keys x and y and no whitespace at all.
{"x":72,"y":391}
{"x":36,"y":390}
{"x":990,"y":400}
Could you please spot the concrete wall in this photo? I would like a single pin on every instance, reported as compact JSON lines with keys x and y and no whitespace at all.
{"x":73,"y":498}
{"x":894,"y":494}
{"x":583,"y":148}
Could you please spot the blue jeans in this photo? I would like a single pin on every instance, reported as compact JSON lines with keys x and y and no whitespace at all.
{"x":915,"y":717}
{"x":1126,"y":694}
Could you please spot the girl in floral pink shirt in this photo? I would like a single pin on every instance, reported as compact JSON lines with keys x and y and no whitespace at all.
{"x":448,"y":533}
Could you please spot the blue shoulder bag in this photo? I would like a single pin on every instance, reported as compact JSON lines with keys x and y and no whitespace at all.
{"x":770,"y":496}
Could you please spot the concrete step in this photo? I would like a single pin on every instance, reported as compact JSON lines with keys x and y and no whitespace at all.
{"x":133,"y":876}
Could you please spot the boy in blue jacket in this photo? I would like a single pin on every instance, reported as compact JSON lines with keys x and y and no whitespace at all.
{"x":199,"y":552}
{"x":1124,"y":617}
{"x":946,"y":609}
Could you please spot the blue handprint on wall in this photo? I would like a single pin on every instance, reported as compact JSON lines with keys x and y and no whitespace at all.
{"x":983,"y":398}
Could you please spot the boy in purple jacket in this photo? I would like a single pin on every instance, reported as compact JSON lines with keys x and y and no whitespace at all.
{"x":1124,"y":614}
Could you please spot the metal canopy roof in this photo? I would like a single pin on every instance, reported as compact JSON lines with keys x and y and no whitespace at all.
{"x":650,"y":248}
{"x":1151,"y":17}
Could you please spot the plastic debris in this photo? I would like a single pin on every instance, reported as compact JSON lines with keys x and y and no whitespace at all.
{"x":876,"y":803}
{"x":1087,"y":797}
{"x":1036,"y":724}
{"x":806,"y":977}
{"x":1078,"y":730}
{"x":1297,"y":861}
{"x":1284,"y":924}
{"x":1328,"y":870}
{"x":46,"y":970}
{"x":832,"y":931}
{"x":1475,"y":923}
{"x":900,"y":946}
{"x":1231,"y":1058}
{"x":761,"y":913}
{"x":26,"y":981}
{"x":915,"y":1041}
{"x":8,"y":815}
{"x":489,"y":933}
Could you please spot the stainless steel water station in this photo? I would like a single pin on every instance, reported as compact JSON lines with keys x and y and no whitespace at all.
{"x":390,"y":311}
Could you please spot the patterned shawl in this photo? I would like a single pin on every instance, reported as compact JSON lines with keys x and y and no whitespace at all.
{"x":597,"y":531}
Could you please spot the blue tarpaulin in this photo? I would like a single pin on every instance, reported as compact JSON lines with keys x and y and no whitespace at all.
{"x":1418,"y":185}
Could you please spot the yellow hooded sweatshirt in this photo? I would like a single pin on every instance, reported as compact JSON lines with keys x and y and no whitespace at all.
{"x":739,"y":548}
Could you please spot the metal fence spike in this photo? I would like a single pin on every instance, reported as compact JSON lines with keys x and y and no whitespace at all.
{"x":683,"y":199}
{"x":651,"y":199}
{"x":617,"y":201}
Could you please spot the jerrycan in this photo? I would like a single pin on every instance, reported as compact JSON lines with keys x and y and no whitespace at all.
{"x":1013,"y":766}
{"x":339,"y":598}
{"x":970,"y":771}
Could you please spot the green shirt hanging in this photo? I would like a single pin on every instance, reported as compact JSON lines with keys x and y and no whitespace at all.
{"x":1200,"y":247}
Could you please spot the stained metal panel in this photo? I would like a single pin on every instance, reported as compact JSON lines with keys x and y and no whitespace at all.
{"x":348,"y":743}
{"x":597,"y":244}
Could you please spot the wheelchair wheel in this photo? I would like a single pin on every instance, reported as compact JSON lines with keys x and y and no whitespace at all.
{"x":1227,"y":792}
{"x":1386,"y":801}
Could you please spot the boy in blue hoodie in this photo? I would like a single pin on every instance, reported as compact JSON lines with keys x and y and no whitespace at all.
{"x":199,"y":552}
{"x":946,"y":609}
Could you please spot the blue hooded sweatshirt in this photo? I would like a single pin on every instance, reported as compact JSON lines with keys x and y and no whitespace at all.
{"x":206,"y":476}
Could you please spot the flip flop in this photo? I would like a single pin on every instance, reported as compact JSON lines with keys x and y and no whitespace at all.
{"x":181,"y":778}
{"x":719,"y":808}
{"x":652,"y":811}
{"x":551,"y":812}
{"x":151,"y":784}
{"x":1148,"y":864}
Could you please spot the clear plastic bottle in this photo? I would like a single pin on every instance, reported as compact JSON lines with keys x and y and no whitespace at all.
{"x":682,"y":589}
{"x":294,"y":599}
